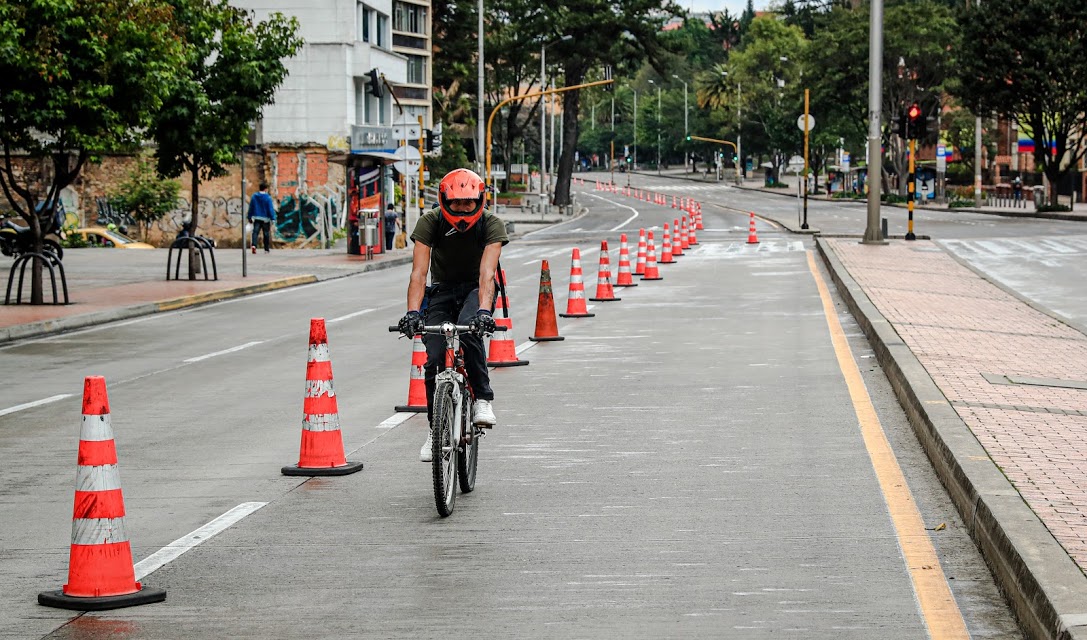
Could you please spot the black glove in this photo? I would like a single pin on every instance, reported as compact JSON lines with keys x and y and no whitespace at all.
{"x":483,"y":322}
{"x":411,"y":324}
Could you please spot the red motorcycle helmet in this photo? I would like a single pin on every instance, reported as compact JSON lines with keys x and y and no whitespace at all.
{"x":462,"y":184}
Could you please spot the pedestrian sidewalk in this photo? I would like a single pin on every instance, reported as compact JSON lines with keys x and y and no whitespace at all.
{"x":105,"y":285}
{"x":997,"y":392}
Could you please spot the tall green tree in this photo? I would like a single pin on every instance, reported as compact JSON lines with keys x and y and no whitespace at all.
{"x":768,"y":66}
{"x":1027,"y":61}
{"x":77,"y":78}
{"x":233,"y":65}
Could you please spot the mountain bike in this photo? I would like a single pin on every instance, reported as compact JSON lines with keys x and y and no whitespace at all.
{"x":455,"y":440}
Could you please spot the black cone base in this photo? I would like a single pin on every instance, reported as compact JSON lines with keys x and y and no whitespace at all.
{"x":605,"y":299}
{"x":546,"y":338}
{"x":350,"y":467}
{"x":577,"y":315}
{"x":57,"y":599}
{"x":410,"y":408}
{"x":512,"y":363}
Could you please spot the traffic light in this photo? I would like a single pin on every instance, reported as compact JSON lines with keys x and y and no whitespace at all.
{"x":429,"y":139}
{"x":375,"y":88}
{"x":629,"y":159}
{"x":918,"y":124}
{"x":607,"y":76}
{"x":688,"y":138}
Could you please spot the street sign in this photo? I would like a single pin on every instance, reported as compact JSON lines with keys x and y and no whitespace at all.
{"x":408,"y":160}
{"x":845,"y":161}
{"x":941,"y":158}
{"x":498,"y":174}
{"x":800,"y":122}
{"x":406,"y":128}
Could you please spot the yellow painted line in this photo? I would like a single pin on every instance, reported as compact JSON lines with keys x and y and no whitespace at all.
{"x":938,"y":606}
{"x":226,"y":294}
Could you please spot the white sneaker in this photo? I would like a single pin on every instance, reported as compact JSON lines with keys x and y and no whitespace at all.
{"x":482,"y":413}
{"x":426,"y":454}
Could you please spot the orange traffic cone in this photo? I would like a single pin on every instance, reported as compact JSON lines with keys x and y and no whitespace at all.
{"x":321,"y":452}
{"x":416,"y":385}
{"x":692,"y":237}
{"x":698,"y":217}
{"x":639,"y":266}
{"x":503,"y":350}
{"x":575,"y":303}
{"x":546,"y":323}
{"x":651,"y":270}
{"x":677,"y":242}
{"x":624,"y":279}
{"x":604,"y":290}
{"x":666,"y":247}
{"x":100,"y":571}
{"x":752,"y":238}
{"x":684,"y":237}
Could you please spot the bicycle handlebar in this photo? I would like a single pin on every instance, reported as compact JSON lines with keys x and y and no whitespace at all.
{"x":437,"y":329}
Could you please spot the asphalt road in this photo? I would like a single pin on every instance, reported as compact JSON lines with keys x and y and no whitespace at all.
{"x":686,"y":463}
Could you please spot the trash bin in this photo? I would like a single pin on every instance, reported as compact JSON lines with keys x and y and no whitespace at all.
{"x":1039,"y":195}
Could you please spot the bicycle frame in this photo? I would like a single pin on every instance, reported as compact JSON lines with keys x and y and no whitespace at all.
{"x":454,"y":371}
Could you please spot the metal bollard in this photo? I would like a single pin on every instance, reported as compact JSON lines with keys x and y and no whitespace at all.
{"x":883,"y":228}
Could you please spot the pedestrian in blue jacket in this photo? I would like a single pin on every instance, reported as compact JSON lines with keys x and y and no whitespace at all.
{"x":262,"y":213}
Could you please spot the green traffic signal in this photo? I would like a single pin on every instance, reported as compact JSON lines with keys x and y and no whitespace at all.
{"x":688,"y":138}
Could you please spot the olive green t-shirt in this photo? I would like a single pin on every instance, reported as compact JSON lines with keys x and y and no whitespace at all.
{"x":456,"y":257}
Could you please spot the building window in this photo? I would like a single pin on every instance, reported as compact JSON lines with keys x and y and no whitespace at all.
{"x":364,"y":17}
{"x":382,"y":29}
{"x":410,"y":18}
{"x":360,"y":101}
{"x":416,"y":69}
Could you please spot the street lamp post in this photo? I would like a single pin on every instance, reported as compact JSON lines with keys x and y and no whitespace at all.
{"x":741,"y":171}
{"x":684,"y":119}
{"x":543,"y":110}
{"x":635,"y":132}
{"x":658,"y":126}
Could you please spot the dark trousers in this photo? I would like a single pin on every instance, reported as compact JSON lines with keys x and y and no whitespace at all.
{"x":455,"y":303}
{"x":265,"y":227}
{"x":389,"y":240}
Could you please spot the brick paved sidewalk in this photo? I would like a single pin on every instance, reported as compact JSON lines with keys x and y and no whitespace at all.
{"x":1014,"y":375}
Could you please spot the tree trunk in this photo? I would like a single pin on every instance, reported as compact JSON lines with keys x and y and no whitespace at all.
{"x":571,"y":104}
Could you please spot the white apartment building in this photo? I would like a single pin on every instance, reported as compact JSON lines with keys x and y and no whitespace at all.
{"x":327,"y":91}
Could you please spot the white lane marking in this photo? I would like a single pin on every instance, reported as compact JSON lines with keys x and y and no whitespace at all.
{"x":396,"y":420}
{"x":36,"y":403}
{"x":351,"y":315}
{"x":618,"y":204}
{"x":524,"y":346}
{"x":173,"y":550}
{"x":223,"y":352}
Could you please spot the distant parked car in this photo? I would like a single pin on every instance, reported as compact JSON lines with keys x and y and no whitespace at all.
{"x":103,"y":237}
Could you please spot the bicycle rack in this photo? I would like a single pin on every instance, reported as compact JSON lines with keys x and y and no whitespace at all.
{"x":49,"y":261}
{"x":185,"y":242}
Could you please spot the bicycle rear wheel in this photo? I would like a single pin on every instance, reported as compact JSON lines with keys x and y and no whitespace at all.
{"x":444,"y":460}
{"x":466,"y":463}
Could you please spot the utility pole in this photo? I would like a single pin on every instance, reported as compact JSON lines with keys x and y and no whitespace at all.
{"x":482,"y":97}
{"x":872,"y":232}
{"x":977,"y":153}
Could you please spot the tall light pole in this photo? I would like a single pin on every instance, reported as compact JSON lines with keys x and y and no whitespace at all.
{"x":658,"y":126}
{"x":740,"y":169}
{"x":481,"y":100}
{"x":635,"y":131}
{"x":977,"y":152}
{"x":684,"y":119}
{"x":543,"y":109}
{"x":872,"y":232}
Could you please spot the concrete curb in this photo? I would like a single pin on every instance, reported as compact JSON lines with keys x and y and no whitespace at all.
{"x":1045,"y":588}
{"x":83,"y":320}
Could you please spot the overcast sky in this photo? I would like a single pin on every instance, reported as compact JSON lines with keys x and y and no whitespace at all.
{"x":734,"y":7}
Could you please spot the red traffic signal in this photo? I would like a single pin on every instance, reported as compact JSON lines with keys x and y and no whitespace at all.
{"x":914,"y":112}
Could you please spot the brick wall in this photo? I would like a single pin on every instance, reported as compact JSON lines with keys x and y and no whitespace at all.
{"x":220,"y":202}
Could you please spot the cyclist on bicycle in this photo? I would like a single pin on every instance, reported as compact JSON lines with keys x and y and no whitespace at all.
{"x":460,"y":245}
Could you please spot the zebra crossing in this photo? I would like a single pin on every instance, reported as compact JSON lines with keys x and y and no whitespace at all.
{"x":1024,"y":247}
{"x":707,"y":250}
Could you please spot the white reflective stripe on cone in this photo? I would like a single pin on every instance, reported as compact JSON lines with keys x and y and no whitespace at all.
{"x":321,"y":422}
{"x":96,"y":428}
{"x":416,"y":372}
{"x":318,"y":388}
{"x":98,"y":530}
{"x":97,"y":478}
{"x":318,"y":352}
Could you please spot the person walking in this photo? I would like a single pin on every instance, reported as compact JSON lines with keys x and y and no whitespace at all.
{"x":459,"y":244}
{"x":392,"y":225}
{"x":262,"y":213}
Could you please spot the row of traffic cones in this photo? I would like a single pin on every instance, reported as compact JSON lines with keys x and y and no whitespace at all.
{"x":101,"y":574}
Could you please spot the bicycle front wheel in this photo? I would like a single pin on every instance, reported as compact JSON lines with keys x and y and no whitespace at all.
{"x":444,"y":451}
{"x":466,"y":463}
